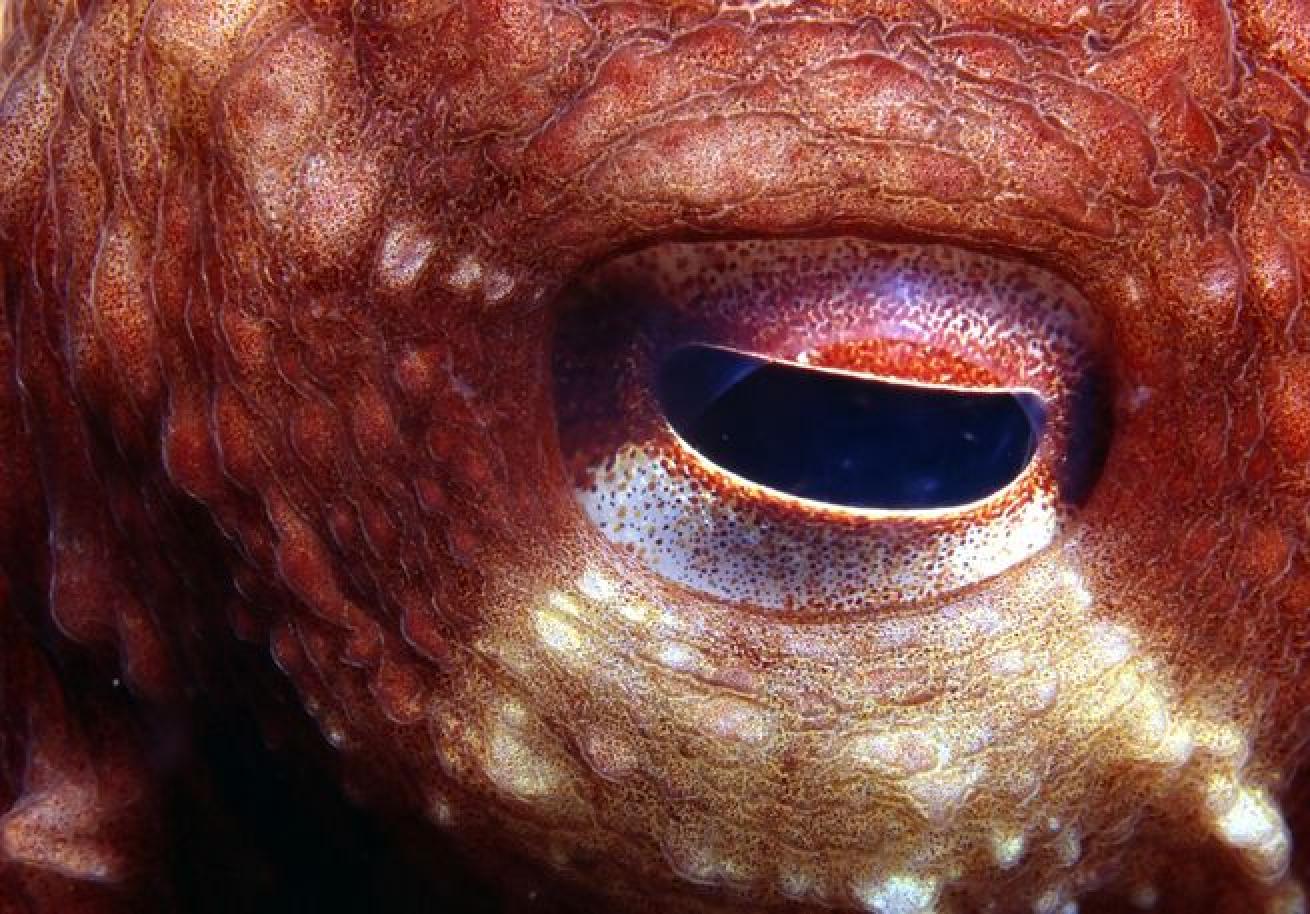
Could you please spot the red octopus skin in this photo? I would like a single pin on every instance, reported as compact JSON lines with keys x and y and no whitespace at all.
{"x":296,"y":597}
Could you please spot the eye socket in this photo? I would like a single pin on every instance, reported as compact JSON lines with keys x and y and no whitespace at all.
{"x":846,"y":439}
{"x":828,"y":425}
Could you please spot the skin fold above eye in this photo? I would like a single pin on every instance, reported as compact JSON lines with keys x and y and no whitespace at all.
{"x":288,"y":490}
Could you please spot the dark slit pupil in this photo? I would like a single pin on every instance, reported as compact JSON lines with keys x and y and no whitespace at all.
{"x":844,"y":440}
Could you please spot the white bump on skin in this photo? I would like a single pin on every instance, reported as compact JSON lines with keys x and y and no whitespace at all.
{"x":1040,"y":695}
{"x":1009,"y":663}
{"x":334,"y":734}
{"x":1077,"y":587}
{"x":752,"y":7}
{"x":1139,"y":397}
{"x":497,"y":287}
{"x":1175,"y":750}
{"x":512,"y":764}
{"x":597,"y":586}
{"x":704,"y":865}
{"x":406,"y":249}
{"x":1049,"y":902}
{"x":1008,"y":848}
{"x":900,"y":893}
{"x":975,"y":736}
{"x":440,"y":811}
{"x":940,"y":794}
{"x":1112,"y":644}
{"x":557,"y":633}
{"x":1245,"y":818}
{"x":740,"y":722}
{"x":466,"y":275}
{"x":636,"y":613}
{"x":563,"y":602}
{"x":1222,"y":740}
{"x":1146,"y":720}
{"x":679,"y":657}
{"x":899,"y":751}
{"x":1112,"y":695}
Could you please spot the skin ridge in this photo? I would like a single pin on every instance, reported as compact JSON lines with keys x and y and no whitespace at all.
{"x":276,"y":284}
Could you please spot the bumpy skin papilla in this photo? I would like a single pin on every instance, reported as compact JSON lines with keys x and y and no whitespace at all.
{"x":277,"y":419}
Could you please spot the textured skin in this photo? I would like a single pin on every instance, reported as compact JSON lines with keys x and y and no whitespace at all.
{"x":278,"y":444}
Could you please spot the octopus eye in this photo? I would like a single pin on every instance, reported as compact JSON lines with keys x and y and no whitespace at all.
{"x":845,"y":438}
{"x":828,"y":425}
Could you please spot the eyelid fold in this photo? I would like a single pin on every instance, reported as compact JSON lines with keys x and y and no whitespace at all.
{"x":918,"y":313}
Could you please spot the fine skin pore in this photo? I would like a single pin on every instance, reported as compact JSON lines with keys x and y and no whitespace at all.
{"x":297,"y":463}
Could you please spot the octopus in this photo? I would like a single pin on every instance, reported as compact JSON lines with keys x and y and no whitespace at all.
{"x":354,"y":551}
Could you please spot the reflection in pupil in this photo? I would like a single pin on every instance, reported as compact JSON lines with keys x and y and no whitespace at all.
{"x":846,"y":440}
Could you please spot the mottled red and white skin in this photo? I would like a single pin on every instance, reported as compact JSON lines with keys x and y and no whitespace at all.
{"x":302,"y":444}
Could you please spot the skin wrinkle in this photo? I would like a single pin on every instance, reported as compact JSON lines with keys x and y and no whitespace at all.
{"x":280,"y":283}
